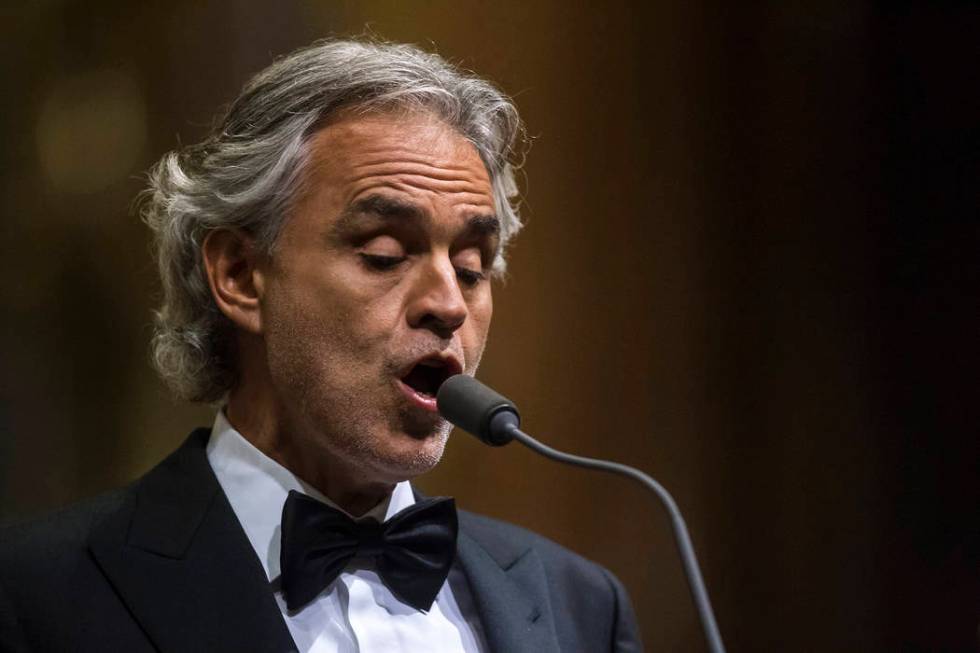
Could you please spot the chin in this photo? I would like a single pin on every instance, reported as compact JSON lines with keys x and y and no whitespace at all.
{"x":406,"y":454}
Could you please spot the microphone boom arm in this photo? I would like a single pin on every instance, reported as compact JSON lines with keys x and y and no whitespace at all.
{"x":493,"y":418}
{"x":681,"y":536}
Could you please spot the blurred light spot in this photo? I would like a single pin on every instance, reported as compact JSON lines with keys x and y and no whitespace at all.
{"x":91,"y":131}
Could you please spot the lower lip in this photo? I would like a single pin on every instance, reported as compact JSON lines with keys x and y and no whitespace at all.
{"x":424,"y":402}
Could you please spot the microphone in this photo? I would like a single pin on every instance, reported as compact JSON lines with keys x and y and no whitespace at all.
{"x":494,"y":419}
{"x":477,"y":409}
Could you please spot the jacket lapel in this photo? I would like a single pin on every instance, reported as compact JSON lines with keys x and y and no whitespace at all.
{"x":181,"y":562}
{"x":510,"y":594}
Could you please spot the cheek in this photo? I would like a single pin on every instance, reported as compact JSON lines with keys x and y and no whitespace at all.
{"x":485,"y":313}
{"x":308,"y":324}
{"x":332,"y":299}
{"x":478,"y":326}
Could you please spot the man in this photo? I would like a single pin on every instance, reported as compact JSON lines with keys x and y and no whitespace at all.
{"x":325,"y":257}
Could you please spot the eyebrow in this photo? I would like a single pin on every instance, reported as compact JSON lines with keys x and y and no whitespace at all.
{"x":483,"y":225}
{"x":390,"y":209}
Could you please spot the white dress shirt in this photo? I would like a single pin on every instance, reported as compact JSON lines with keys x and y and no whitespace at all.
{"x":355,"y":613}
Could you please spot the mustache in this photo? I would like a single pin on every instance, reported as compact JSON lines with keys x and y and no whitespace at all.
{"x":416,"y":351}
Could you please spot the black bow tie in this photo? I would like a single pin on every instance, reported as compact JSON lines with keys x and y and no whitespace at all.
{"x":412,"y":551}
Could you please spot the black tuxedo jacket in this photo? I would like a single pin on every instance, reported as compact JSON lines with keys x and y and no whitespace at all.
{"x":164,"y":565}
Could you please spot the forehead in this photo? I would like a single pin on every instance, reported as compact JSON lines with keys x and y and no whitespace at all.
{"x":409,"y":153}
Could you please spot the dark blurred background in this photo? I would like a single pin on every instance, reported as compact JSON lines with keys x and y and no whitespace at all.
{"x":750,"y":268}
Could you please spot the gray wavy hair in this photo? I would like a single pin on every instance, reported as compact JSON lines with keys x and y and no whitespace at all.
{"x":248,"y":169}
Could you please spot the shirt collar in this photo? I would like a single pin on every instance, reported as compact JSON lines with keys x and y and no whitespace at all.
{"x":257,"y":487}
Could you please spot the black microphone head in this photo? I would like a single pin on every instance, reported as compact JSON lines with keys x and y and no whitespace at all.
{"x":477,"y":409}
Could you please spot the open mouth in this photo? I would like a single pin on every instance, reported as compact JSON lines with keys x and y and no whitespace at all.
{"x":422,"y":381}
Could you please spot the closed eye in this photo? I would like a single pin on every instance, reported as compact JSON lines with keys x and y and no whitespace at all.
{"x":470,"y":277}
{"x":380,"y":262}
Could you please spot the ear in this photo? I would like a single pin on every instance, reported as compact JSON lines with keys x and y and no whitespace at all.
{"x":231,"y":261}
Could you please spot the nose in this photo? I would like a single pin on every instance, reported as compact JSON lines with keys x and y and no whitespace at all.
{"x":437,"y":301}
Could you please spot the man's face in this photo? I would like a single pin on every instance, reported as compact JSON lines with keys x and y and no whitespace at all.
{"x":378,"y":289}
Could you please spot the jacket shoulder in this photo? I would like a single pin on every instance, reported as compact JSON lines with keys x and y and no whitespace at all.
{"x":506,"y":542}
{"x":55,"y":594}
{"x":588,"y":603}
{"x":57,"y":535}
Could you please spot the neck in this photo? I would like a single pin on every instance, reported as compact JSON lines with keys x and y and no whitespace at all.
{"x":253,"y":411}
